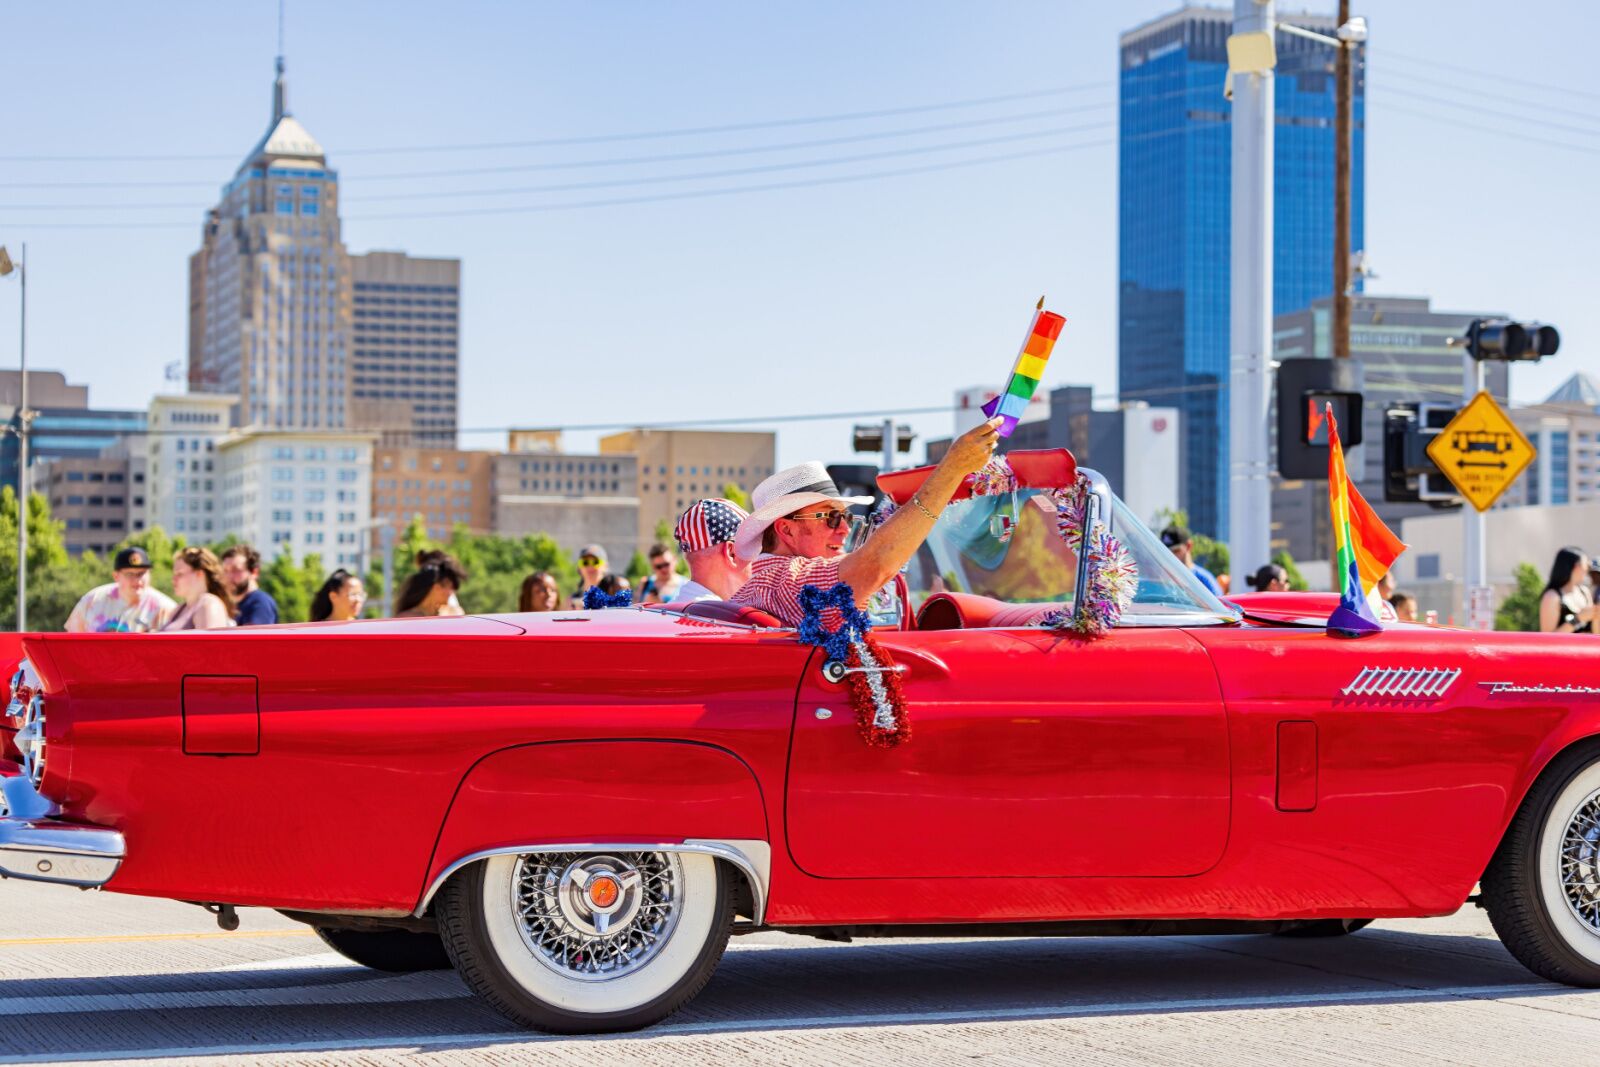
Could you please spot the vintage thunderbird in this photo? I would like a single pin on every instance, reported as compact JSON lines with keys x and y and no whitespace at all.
{"x":576,"y":810}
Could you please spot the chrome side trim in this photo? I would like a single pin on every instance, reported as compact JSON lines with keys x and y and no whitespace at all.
{"x":44,"y":850}
{"x":752,"y":857}
{"x":1403,"y":683}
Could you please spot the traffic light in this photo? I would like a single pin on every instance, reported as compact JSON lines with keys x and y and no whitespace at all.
{"x":1409,"y":476}
{"x":869,"y":438}
{"x":1306,"y":389}
{"x":1503,"y":339}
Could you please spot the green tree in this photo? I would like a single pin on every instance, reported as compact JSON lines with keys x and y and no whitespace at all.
{"x":638,"y":567}
{"x":292,"y":584}
{"x":1297,"y":581}
{"x":738,"y":496}
{"x":56,"y":581}
{"x":1520,"y":610}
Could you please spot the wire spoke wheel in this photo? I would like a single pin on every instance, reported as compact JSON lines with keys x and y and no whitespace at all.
{"x":1580,"y":862}
{"x":587,"y":942}
{"x":594,"y":918}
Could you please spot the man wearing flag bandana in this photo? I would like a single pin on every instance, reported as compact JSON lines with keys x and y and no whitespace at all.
{"x":705,"y":535}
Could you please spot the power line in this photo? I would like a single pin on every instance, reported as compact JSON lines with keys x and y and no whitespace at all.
{"x":621,"y":201}
{"x":1479,"y":109}
{"x":614,"y":161}
{"x":1455,"y":68}
{"x":456,"y":194}
{"x":1497,"y":131}
{"x":604,"y":138}
{"x":1500,"y":97}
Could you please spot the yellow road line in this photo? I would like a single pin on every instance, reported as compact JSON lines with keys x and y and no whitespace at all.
{"x":110,"y":938}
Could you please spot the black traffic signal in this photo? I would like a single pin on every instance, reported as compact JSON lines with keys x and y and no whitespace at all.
{"x":1503,"y":339}
{"x":1409,"y":476}
{"x":1306,"y":388}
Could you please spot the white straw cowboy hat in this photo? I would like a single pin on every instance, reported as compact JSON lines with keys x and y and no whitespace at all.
{"x":783,"y":494}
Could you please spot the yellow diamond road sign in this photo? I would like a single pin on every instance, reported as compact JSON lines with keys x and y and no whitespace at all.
{"x":1481,"y":451}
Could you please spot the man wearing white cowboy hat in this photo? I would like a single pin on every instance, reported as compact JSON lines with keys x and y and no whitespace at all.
{"x":799,"y":524}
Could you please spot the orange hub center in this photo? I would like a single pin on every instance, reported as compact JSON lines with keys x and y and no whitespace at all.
{"x":603,"y":891}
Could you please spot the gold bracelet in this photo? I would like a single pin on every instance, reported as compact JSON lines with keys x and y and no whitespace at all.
{"x":923,"y":508}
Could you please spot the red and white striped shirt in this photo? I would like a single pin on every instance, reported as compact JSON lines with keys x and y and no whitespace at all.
{"x":775,"y":584}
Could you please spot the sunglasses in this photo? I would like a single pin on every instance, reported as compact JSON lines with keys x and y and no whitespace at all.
{"x":589,"y":561}
{"x":834,"y":519}
{"x":662,"y":565}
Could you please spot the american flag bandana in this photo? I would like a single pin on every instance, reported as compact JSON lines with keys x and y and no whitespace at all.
{"x":708,"y":522}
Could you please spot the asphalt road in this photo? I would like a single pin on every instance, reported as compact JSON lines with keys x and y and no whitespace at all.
{"x":86,"y":977}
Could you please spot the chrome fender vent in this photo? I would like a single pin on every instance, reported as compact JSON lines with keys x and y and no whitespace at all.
{"x":1403,"y":683}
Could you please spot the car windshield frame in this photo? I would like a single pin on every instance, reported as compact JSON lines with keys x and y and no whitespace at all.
{"x":1033,"y":564}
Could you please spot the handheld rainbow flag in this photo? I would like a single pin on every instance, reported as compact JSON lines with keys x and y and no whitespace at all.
{"x":1364,"y":548}
{"x":1028,"y":369}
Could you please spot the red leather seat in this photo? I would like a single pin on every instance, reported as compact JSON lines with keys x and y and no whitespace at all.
{"x":967,"y":611}
{"x":722,"y":611}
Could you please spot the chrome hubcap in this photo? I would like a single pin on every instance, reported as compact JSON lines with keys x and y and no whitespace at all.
{"x":595,"y":917}
{"x":1580,"y":862}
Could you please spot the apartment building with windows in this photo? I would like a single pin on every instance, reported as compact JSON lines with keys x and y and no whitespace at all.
{"x":577,"y":499}
{"x":677,"y":467}
{"x":405,"y":361}
{"x":305,"y":492}
{"x":447,"y":487}
{"x":181,"y":450}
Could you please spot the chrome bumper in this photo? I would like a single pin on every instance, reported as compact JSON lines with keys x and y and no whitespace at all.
{"x":39,"y":848}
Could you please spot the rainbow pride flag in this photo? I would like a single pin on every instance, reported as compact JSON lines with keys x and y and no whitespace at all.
{"x":1028,"y":369}
{"x":1363,"y":547}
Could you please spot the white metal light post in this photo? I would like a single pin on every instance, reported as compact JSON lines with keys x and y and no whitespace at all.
{"x":1252,"y":54}
{"x":23,"y":417}
{"x":1479,"y":603}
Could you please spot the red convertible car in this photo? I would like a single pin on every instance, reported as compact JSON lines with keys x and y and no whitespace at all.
{"x":577,"y":809}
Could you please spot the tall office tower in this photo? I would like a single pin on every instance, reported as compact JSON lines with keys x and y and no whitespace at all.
{"x":1175,"y":225}
{"x":405,"y":363}
{"x":269,"y":299}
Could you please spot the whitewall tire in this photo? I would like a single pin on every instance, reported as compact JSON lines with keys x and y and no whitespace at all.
{"x":587,"y":942}
{"x":1542,"y":888}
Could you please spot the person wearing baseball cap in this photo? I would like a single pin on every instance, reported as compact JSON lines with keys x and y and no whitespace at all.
{"x":1181,"y":542}
{"x":705,"y":534}
{"x":796,"y":533}
{"x":127,"y":605}
{"x":591,"y":570}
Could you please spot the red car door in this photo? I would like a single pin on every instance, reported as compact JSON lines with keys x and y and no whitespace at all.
{"x":1030,"y":754}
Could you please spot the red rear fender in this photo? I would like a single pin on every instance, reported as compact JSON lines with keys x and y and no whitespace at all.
{"x":600,"y":792}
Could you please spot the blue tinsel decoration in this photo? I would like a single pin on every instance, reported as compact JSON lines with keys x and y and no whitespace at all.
{"x":595,"y":598}
{"x":835,"y":644}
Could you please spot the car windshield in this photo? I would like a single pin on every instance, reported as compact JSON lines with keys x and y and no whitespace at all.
{"x":1007,"y":548}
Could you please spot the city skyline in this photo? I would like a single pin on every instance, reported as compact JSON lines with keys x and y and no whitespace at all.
{"x":910,"y":284}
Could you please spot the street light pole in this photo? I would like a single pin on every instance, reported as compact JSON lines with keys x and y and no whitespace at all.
{"x":24,"y":416}
{"x":1251,"y":57}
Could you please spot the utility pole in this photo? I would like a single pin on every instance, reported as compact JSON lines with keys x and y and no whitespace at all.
{"x":1251,"y":57}
{"x":1343,"y":76}
{"x":889,"y":441}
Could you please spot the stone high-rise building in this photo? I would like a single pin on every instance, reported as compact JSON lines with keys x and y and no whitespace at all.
{"x":405,"y":367}
{"x":307,"y":336}
{"x":269,"y":293}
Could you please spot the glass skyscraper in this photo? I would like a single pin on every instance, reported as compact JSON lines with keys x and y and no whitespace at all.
{"x":1174,"y":187}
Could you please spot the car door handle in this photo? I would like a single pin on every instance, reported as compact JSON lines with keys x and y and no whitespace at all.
{"x":911,"y":663}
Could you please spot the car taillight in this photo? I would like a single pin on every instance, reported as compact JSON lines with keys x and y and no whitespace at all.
{"x":19,"y":693}
{"x":30,"y":739}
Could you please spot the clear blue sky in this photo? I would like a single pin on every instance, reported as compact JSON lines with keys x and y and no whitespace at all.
{"x":884,"y":293}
